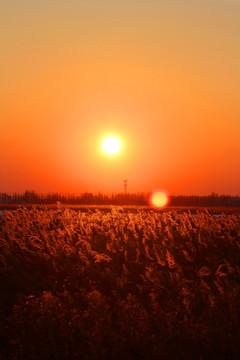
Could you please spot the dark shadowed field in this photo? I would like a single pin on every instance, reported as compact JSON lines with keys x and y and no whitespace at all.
{"x":113,"y":283}
{"x":218,"y":210}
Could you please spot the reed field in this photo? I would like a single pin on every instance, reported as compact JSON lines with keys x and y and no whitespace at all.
{"x":119,"y":285}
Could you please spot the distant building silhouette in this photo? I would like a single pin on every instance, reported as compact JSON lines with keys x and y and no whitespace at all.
{"x":125,"y":186}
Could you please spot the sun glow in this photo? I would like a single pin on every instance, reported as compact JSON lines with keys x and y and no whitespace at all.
{"x":159,"y":199}
{"x":111,"y":145}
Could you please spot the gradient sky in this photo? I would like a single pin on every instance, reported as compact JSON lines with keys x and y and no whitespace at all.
{"x":162,"y":75}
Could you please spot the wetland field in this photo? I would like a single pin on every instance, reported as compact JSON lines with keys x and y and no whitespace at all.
{"x":113,"y":283}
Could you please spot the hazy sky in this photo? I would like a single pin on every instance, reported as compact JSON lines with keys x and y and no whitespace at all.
{"x":162,"y":75}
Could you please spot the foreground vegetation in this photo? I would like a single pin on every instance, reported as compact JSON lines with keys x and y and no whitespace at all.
{"x":95,"y":285}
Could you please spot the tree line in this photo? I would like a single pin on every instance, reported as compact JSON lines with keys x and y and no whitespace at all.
{"x":88,"y":198}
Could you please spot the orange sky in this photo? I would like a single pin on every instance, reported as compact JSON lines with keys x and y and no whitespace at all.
{"x":162,"y":75}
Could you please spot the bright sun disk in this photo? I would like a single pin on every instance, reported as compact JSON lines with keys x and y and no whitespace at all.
{"x":111,"y":145}
{"x":159,"y":199}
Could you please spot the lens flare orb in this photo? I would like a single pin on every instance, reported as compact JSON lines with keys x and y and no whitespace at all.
{"x":111,"y":145}
{"x":159,"y":199}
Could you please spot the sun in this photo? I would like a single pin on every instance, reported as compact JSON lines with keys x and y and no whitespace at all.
{"x":111,"y":145}
{"x":159,"y":199}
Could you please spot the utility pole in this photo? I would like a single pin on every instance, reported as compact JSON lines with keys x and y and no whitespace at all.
{"x":125,"y":186}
